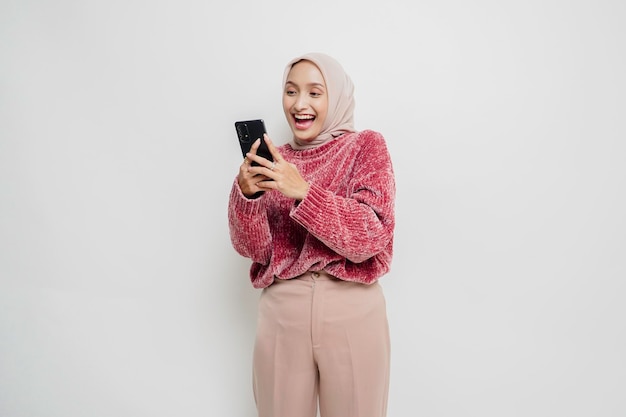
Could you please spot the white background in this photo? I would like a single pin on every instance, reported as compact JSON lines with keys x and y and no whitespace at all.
{"x":120,"y":293}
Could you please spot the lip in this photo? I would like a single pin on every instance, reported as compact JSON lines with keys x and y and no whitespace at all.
{"x":304,"y":123}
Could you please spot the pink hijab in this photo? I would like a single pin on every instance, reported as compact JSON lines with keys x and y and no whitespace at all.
{"x":340,"y":117}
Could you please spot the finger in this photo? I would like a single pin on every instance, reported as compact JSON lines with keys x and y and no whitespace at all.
{"x":267,"y":184}
{"x":261,"y":163}
{"x":255,"y":145}
{"x":262,"y":171}
{"x":254,"y":160}
{"x":252,"y":154}
{"x":270,"y":146}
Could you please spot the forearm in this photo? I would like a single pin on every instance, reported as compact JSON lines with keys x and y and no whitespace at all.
{"x":357,"y":227}
{"x":249,"y":226}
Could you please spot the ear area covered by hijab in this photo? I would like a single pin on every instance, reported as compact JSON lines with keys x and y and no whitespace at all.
{"x":340,"y":118}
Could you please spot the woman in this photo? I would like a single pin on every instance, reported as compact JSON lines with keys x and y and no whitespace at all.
{"x":318,"y":225}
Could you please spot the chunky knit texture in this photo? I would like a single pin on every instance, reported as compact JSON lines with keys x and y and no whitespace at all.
{"x":344,"y":225}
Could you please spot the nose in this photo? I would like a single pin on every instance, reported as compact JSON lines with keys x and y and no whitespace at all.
{"x":301,"y":103}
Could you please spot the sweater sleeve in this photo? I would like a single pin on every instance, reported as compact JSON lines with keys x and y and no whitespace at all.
{"x":361,"y":224}
{"x":248,"y":226}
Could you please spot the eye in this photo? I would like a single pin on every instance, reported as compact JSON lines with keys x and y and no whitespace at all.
{"x":290,"y":92}
{"x":315,"y":94}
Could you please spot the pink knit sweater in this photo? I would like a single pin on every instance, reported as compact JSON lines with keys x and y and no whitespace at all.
{"x":344,"y":225}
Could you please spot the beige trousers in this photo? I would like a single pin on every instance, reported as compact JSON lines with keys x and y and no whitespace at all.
{"x":321,"y":339}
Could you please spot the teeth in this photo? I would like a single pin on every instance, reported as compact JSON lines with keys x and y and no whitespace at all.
{"x":304,"y":117}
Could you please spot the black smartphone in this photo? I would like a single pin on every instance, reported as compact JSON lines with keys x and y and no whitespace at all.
{"x":248,"y":132}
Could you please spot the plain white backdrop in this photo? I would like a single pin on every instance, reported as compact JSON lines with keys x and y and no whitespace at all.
{"x":120,"y":294}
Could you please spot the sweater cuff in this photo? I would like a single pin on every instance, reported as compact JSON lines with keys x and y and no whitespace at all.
{"x":310,"y":208}
{"x":248,"y":205}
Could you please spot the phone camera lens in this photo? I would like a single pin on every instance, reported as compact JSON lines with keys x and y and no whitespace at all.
{"x":244,"y":134}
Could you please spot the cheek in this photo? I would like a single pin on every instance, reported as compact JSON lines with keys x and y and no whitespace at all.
{"x":323,"y":109}
{"x":288,"y":101}
{"x":322,"y":114}
{"x":286,"y":110}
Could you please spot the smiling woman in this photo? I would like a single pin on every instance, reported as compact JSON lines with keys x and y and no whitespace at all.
{"x":318,"y":228}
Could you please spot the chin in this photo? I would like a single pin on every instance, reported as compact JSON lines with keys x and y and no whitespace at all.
{"x":306,"y":135}
{"x":305,"y":138}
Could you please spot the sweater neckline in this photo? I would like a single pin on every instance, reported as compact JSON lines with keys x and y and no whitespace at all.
{"x":310,"y":152}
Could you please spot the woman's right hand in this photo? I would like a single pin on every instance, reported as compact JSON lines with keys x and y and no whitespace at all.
{"x":248,"y":180}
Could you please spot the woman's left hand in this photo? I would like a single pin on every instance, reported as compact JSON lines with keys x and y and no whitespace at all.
{"x":284,"y":176}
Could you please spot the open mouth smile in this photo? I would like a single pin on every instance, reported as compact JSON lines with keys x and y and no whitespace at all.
{"x":303,"y":121}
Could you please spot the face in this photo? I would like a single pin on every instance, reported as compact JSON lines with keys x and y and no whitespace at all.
{"x":305,"y":101}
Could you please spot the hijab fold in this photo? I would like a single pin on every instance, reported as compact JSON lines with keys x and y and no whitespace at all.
{"x":340,"y":90}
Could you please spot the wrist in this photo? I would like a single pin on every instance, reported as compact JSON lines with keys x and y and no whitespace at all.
{"x":304,"y":192}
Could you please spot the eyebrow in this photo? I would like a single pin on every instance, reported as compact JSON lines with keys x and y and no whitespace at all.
{"x":309,"y":84}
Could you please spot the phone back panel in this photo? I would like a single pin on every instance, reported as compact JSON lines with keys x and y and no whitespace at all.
{"x":248,"y":131}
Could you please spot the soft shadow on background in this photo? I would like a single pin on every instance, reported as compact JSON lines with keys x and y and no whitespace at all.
{"x":120,"y":294}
